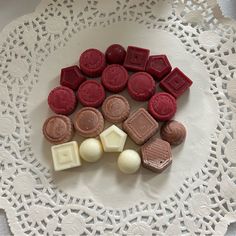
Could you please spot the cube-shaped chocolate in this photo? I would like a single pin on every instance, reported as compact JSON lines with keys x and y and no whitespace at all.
{"x":140,"y":126}
{"x":72,"y":77}
{"x":158,"y":66}
{"x":156,"y":155}
{"x":136,"y":58}
{"x":176,"y":83}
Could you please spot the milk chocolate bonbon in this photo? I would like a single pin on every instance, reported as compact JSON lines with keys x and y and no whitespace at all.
{"x":58,"y":129}
{"x":115,"y":108}
{"x":140,"y":126}
{"x":173,"y":132}
{"x":89,"y":122}
{"x":156,"y":155}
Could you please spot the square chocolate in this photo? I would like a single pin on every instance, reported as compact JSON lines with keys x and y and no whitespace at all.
{"x":158,"y":66}
{"x":140,"y":126}
{"x":176,"y":83}
{"x":136,"y":58}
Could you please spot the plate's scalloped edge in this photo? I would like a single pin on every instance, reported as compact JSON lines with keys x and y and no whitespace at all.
{"x":15,"y":228}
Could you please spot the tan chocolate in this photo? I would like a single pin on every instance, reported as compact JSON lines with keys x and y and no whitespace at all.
{"x":58,"y":129}
{"x":89,"y":122}
{"x":140,"y":126}
{"x":115,"y":108}
{"x":156,"y":155}
{"x":173,"y":132}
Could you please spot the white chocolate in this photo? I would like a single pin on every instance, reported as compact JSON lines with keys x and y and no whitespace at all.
{"x":65,"y":156}
{"x":129,"y":161}
{"x":91,"y":150}
{"x":113,"y":139}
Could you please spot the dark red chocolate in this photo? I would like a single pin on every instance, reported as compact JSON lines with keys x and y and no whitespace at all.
{"x":176,"y":83}
{"x":136,"y":58}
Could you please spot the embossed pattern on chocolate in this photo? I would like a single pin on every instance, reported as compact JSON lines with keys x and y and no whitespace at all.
{"x":156,"y":155}
{"x":140,"y":126}
{"x":173,"y":132}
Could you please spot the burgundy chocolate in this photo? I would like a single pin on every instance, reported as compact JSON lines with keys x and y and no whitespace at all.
{"x":140,"y":126}
{"x":162,"y":106}
{"x":89,"y":122}
{"x":115,"y":78}
{"x":136,"y":58}
{"x":158,"y":66}
{"x":92,"y":62}
{"x":156,"y":155}
{"x":141,"y":86}
{"x":58,"y":129}
{"x":115,"y":54}
{"x":62,"y":100}
{"x":91,"y":94}
{"x":115,"y":108}
{"x":72,"y":77}
{"x":176,"y":83}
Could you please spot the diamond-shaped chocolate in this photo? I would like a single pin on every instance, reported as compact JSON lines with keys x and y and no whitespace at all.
{"x":72,"y":77}
{"x":140,"y":126}
{"x":136,"y":58}
{"x":158,"y":66}
{"x":156,"y":155}
{"x":176,"y":83}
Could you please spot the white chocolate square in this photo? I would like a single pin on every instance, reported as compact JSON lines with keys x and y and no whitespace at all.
{"x":113,"y":139}
{"x":65,"y":156}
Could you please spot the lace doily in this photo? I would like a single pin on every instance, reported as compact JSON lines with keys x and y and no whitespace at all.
{"x":196,"y":196}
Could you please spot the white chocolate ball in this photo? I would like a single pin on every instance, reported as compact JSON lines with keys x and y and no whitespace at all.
{"x":91,"y":150}
{"x":129,"y":161}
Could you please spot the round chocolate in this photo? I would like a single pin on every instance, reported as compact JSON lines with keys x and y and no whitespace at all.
{"x":89,"y":122}
{"x":58,"y":129}
{"x":173,"y":132}
{"x":115,"y":108}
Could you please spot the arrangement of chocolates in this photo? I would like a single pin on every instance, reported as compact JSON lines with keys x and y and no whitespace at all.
{"x":81,"y":84}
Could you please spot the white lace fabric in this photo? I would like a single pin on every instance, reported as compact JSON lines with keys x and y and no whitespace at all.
{"x":196,"y":196}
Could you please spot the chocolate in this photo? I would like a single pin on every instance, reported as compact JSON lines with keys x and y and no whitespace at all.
{"x":156,"y":155}
{"x":140,"y":126}
{"x":141,"y":86}
{"x":62,"y":100}
{"x":115,"y":108}
{"x":58,"y":129}
{"x":89,"y":122}
{"x":176,"y":83}
{"x":91,"y":94}
{"x":173,"y":132}
{"x":115,"y":54}
{"x":158,"y":66}
{"x":114,"y":78}
{"x":162,"y":106}
{"x":72,"y":77}
{"x":136,"y":58}
{"x":92,"y":62}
